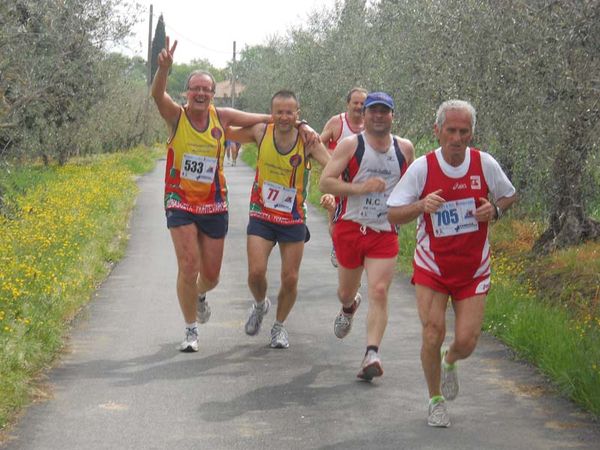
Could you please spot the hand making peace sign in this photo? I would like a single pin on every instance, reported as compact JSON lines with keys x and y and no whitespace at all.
{"x":165,"y":57}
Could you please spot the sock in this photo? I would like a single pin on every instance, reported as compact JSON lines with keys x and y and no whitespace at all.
{"x":192,"y":325}
{"x":446,"y":365}
{"x":260,"y":304}
{"x":202,"y":297}
{"x":350,"y":309}
{"x":435,"y":399}
{"x":375,"y":348}
{"x":278,"y":324}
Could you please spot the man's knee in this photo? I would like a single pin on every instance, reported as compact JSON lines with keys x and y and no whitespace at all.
{"x":433,"y":334}
{"x":209,"y":280}
{"x":289,"y":280}
{"x":256,"y":276}
{"x":188,"y":270}
{"x":465,"y":343}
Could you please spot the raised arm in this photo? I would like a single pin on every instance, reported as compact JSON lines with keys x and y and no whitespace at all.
{"x":167,"y":107}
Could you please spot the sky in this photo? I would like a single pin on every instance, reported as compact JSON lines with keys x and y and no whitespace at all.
{"x":207,"y":29}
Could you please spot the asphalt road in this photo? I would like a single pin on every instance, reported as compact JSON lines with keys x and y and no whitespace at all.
{"x":121,"y":383}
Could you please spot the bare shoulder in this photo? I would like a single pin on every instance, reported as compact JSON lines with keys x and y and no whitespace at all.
{"x":407,"y":148}
{"x":346,"y":146}
{"x":333,"y":126}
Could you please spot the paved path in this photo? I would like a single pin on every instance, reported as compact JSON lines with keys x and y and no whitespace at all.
{"x":122,"y":384}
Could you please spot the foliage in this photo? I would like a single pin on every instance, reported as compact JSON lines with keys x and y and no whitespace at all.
{"x":158,"y":43}
{"x":180,"y":72}
{"x":529,"y":67}
{"x":51,"y":263}
{"x":57,"y":82}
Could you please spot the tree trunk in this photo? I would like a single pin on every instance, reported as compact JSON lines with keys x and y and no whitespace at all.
{"x":568,"y":222}
{"x":566,"y":229}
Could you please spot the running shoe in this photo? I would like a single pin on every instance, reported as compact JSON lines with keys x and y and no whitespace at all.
{"x":438,"y":414}
{"x":256,"y":317}
{"x":334,"y":261}
{"x":190,"y":343}
{"x":203,"y":310}
{"x":370,"y":367}
{"x":279,"y":336}
{"x":343,"y":322}
{"x":449,"y":378}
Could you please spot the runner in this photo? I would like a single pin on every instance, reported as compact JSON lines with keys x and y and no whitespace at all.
{"x":337,"y":128}
{"x":371,"y":163}
{"x":447,"y":190}
{"x":195,"y":186}
{"x":278,"y":209}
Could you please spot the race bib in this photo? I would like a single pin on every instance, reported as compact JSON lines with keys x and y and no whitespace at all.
{"x":278,"y":197}
{"x":198,"y":168}
{"x":373,"y":206}
{"x":455,"y":217}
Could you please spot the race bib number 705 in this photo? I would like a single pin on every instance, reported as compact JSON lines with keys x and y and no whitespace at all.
{"x":455,"y":217}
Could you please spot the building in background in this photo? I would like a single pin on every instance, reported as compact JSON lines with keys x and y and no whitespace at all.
{"x":223,"y":93}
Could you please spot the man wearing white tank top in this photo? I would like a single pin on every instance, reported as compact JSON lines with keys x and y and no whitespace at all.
{"x":338,"y":127}
{"x":362,"y":172}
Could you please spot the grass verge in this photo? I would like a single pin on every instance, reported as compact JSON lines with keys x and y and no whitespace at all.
{"x":62,"y":228}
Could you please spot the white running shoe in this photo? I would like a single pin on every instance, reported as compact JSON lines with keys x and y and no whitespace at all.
{"x":370,"y":367}
{"x":343,"y":321}
{"x":449,"y":374}
{"x":255,"y":319}
{"x":279,"y":337}
{"x":333,"y":258}
{"x":190,"y":343}
{"x":438,"y":415}
{"x":203,"y":310}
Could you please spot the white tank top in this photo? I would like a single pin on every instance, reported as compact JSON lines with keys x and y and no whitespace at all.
{"x":371,"y":209}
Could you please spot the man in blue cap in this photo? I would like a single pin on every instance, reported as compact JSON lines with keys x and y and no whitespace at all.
{"x":362,"y":172}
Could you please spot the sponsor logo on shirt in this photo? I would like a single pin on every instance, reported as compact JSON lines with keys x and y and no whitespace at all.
{"x":295,"y":160}
{"x":475,"y":182}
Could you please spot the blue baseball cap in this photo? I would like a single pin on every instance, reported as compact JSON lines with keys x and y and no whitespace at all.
{"x":379,"y":98}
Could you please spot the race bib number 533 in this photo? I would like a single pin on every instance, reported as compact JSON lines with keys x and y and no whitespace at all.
{"x":198,"y":168}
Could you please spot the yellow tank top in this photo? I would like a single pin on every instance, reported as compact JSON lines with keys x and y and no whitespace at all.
{"x":281,"y":181}
{"x":194,"y":178}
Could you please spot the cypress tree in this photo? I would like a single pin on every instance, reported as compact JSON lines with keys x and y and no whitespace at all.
{"x":158,"y":43}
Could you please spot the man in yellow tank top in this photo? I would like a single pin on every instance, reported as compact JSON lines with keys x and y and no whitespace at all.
{"x":195,"y":186}
{"x":277,"y":207}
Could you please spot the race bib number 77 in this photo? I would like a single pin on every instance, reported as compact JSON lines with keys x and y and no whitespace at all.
{"x":278,"y":197}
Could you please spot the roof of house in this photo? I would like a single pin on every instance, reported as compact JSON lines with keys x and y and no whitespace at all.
{"x":223,"y":89}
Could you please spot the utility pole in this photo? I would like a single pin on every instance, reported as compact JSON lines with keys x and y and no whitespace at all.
{"x":233,"y":78}
{"x":149,"y":61}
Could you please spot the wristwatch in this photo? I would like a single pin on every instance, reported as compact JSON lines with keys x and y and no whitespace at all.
{"x":302,"y":122}
{"x":498,"y":211}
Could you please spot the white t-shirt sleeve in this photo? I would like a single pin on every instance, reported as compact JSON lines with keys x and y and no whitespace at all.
{"x":409,"y":188}
{"x":497,"y":181}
